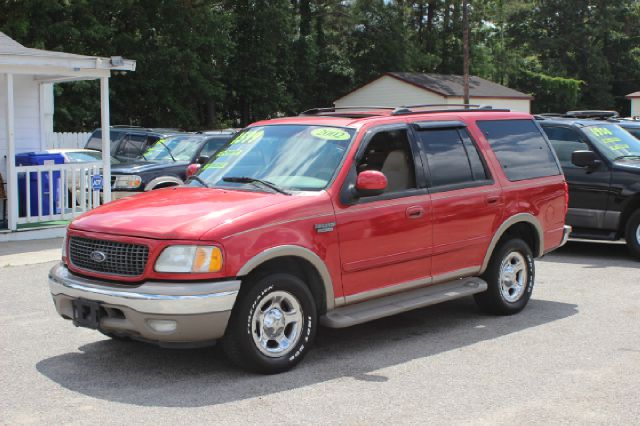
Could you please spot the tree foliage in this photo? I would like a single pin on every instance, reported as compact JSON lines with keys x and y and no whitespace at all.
{"x":215,"y":63}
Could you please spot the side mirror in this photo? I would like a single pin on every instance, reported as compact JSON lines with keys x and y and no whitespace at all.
{"x":370,"y":183}
{"x":584,"y":159}
{"x":203,"y":159}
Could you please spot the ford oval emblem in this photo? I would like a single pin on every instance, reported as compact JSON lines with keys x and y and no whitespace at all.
{"x":98,"y":256}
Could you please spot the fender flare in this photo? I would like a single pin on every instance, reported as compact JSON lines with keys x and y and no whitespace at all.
{"x":295,"y":251}
{"x":162,"y":179}
{"x":518,"y":218}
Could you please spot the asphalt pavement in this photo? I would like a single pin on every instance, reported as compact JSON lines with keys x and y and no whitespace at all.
{"x":572,"y":356}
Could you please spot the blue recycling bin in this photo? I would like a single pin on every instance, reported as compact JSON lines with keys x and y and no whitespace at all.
{"x":38,"y":159}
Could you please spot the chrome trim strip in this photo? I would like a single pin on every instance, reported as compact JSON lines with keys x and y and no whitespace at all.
{"x":150,"y":297}
{"x":297,"y":251}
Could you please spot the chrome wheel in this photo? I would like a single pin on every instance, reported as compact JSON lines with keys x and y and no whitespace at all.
{"x":638,"y":234}
{"x":513,"y":276}
{"x":276,"y":324}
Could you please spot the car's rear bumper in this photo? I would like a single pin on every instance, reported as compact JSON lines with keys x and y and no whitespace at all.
{"x":162,"y":312}
{"x":565,"y":235}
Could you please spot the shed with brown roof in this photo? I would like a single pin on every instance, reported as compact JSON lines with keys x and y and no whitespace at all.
{"x":406,"y":88}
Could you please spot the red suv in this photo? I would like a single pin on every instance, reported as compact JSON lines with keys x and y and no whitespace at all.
{"x":334,"y":217}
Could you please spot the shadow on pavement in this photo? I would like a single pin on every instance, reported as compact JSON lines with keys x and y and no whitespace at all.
{"x":145,"y":375}
{"x":593,"y":254}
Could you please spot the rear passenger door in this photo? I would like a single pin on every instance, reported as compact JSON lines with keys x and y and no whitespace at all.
{"x":465,"y":200}
{"x":589,"y":188}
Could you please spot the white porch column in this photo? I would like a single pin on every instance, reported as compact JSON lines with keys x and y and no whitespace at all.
{"x":106,"y":139}
{"x":12,"y":178}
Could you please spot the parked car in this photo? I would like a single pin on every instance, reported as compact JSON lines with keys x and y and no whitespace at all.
{"x":77,"y":155}
{"x":165,"y":163}
{"x":601,"y":162}
{"x":334,"y":217}
{"x":127,"y":143}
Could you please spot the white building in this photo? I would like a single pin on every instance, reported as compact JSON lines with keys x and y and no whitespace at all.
{"x":405,"y":88}
{"x":635,"y":103}
{"x":26,"y":117}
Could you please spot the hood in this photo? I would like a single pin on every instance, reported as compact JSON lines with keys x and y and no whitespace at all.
{"x":144,"y":166}
{"x":180,"y":213}
{"x":631,"y":165}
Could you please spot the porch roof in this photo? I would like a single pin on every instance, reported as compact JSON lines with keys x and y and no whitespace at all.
{"x":53,"y":66}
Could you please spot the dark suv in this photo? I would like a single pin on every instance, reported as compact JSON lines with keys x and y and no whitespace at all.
{"x":601,"y":162}
{"x":165,"y":163}
{"x":127,"y":143}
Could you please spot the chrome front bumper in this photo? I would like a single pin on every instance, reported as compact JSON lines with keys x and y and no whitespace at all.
{"x":199,"y":310}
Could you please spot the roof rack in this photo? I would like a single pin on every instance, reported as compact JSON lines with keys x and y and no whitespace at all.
{"x":316,"y":111}
{"x":400,"y":110}
{"x":595,"y":114}
{"x":409,"y":109}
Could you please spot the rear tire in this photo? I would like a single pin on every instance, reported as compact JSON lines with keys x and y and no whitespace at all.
{"x":273,"y":324}
{"x":510,"y":276}
{"x":632,"y":234}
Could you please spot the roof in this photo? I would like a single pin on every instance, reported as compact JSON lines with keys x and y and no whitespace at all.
{"x":16,"y":58}
{"x":633,"y":95}
{"x":383,"y":117}
{"x":449,"y":85}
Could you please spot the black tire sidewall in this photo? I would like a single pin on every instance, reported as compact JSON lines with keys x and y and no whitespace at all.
{"x":630,"y":234}
{"x":243,"y":314}
{"x":492,"y":275}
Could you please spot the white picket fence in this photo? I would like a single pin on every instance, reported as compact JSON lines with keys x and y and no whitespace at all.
{"x":67,"y":140}
{"x":56,"y":191}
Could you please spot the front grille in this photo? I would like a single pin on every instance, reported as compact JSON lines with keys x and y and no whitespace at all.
{"x":119,"y":258}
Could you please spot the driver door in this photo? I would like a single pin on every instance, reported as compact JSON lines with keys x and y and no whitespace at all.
{"x":385,"y":240}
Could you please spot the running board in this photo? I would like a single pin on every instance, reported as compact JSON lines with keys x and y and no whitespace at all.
{"x":358,"y":313}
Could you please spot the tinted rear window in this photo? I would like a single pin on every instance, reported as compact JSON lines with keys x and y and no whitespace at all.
{"x":95,"y":140}
{"x":520,"y":148}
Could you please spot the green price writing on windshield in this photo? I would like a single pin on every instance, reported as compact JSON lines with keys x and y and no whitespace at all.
{"x":600,"y":131}
{"x":248,"y":137}
{"x":330,"y":133}
{"x":215,"y":165}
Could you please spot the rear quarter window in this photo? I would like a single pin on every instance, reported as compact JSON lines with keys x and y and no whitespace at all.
{"x":521,"y":148}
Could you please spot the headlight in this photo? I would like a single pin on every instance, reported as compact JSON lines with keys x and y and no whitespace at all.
{"x":189,"y":259}
{"x":127,"y":182}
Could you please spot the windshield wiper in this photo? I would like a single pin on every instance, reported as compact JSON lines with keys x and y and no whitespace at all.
{"x":199,"y":180}
{"x":168,"y":150}
{"x":247,"y":179}
{"x":626,"y":156}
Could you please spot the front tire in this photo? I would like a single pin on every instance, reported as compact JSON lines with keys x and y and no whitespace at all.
{"x":273,"y":324}
{"x":632,"y":234}
{"x":510,"y":276}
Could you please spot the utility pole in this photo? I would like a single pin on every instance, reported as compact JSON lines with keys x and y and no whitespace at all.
{"x":465,"y":48}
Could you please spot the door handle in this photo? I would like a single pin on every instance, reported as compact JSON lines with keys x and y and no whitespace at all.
{"x":415,"y":212}
{"x":493,"y":199}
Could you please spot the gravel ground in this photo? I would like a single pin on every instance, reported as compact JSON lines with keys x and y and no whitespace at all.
{"x":572,"y":356}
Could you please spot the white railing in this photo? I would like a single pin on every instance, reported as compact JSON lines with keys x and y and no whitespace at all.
{"x":66,"y":140}
{"x":56,"y":191}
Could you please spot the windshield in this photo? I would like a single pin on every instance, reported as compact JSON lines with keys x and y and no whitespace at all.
{"x":613,"y":141}
{"x":292,"y":157}
{"x":177,"y":148}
